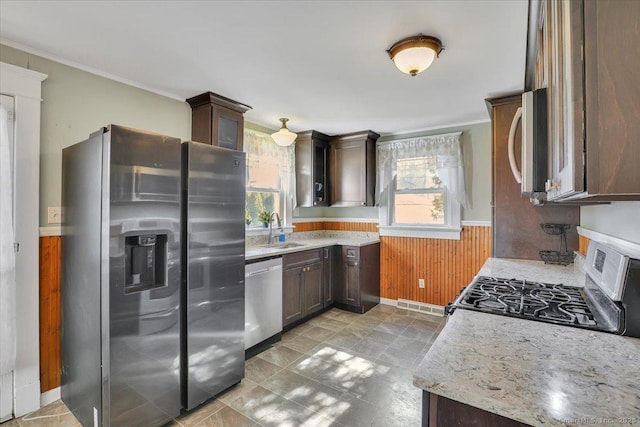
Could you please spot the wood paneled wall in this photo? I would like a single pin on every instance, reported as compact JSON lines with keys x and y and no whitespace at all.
{"x":50,"y":365}
{"x":369,"y":227}
{"x":445,"y":265}
{"x":583,"y":244}
{"x":300,"y":227}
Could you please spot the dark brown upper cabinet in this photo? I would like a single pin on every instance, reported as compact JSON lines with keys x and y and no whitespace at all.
{"x":312,"y":187}
{"x":352,"y":169}
{"x":217,"y":120}
{"x":516,"y":231}
{"x":587,"y":54}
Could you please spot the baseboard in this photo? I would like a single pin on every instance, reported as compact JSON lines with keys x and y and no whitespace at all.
{"x":27,"y":399}
{"x":387,"y":301}
{"x":420,"y":307}
{"x":49,"y":396}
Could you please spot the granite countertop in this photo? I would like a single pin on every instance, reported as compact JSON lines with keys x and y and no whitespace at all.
{"x":533,"y":372}
{"x":311,"y":240}
{"x":570,"y":275}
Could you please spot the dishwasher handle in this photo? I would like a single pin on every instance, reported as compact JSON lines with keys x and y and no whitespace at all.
{"x":264,"y":270}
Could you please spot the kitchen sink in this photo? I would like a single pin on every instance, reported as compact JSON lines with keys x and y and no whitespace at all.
{"x":285,"y":245}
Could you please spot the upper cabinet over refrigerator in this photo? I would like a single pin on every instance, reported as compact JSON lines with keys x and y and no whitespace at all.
{"x":587,"y":55}
{"x":217,"y":120}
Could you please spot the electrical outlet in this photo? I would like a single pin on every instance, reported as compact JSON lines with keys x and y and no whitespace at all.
{"x":54,"y":215}
{"x":421,"y":283}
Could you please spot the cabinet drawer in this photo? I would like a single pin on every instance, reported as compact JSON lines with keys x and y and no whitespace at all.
{"x":301,"y":258}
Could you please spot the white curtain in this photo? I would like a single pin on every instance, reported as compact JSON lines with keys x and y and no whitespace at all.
{"x":260,"y":145}
{"x":7,"y":255}
{"x":446,"y":150}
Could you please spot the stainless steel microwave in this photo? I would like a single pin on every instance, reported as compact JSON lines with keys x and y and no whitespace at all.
{"x":533,"y":171}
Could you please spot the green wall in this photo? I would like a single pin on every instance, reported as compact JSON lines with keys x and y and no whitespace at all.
{"x":476,"y":151}
{"x":619,"y":219}
{"x":76,"y":103}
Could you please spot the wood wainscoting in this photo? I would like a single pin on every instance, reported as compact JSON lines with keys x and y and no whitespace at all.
{"x":445,"y":265}
{"x":300,"y":227}
{"x":369,"y":227}
{"x":50,"y":365}
{"x":583,"y":244}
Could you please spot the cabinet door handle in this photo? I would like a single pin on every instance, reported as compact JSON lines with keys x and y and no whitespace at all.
{"x":512,"y":154}
{"x":551,"y":185}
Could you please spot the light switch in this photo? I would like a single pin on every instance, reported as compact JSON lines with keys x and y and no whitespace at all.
{"x":54,"y":215}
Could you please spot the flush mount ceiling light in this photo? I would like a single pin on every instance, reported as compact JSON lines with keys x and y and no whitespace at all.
{"x":415,"y":54}
{"x":284,"y":137}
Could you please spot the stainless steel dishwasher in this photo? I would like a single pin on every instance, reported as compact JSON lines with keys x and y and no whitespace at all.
{"x":263,"y":301}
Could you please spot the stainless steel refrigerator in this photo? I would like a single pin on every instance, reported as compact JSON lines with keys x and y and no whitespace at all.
{"x":148,"y":312}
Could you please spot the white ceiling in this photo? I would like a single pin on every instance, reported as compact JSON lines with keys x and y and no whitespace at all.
{"x":321,"y":63}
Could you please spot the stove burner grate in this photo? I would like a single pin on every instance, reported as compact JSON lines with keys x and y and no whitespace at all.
{"x":546,"y":302}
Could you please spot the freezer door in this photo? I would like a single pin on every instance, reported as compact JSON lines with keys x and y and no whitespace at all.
{"x":213,"y":239}
{"x":143,"y":370}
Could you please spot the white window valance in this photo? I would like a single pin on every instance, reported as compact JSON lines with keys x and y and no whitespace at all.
{"x":444,"y":148}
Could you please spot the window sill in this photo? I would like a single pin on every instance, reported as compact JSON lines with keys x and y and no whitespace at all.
{"x":446,"y":233}
{"x":261,"y":231}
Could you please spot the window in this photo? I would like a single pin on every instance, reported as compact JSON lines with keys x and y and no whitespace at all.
{"x":420,"y":187}
{"x":419,"y":196}
{"x":270,"y":178}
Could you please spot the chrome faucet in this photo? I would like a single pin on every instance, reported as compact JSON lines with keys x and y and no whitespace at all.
{"x":271,"y":236}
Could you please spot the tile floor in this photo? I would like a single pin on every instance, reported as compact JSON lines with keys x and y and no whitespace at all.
{"x":338,"y":369}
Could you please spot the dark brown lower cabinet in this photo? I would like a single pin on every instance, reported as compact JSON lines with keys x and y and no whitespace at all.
{"x":292,"y":295}
{"x":328,"y":262}
{"x":313,"y":287}
{"x":438,"y":411}
{"x":357,"y":278}
{"x":302,"y":285}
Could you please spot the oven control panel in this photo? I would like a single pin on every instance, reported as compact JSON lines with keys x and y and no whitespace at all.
{"x":607,"y":267}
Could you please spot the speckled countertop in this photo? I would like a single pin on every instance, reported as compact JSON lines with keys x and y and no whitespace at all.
{"x":533,"y":372}
{"x":310,"y":240}
{"x":570,"y":275}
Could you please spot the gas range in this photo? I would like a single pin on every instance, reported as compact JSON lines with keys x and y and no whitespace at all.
{"x":609,"y":302}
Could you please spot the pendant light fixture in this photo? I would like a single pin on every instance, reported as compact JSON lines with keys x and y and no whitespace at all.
{"x":414,"y":54}
{"x":284,"y":137}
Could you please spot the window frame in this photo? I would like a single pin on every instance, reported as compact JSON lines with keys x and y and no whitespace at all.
{"x":450,"y":230}
{"x":285,"y":208}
